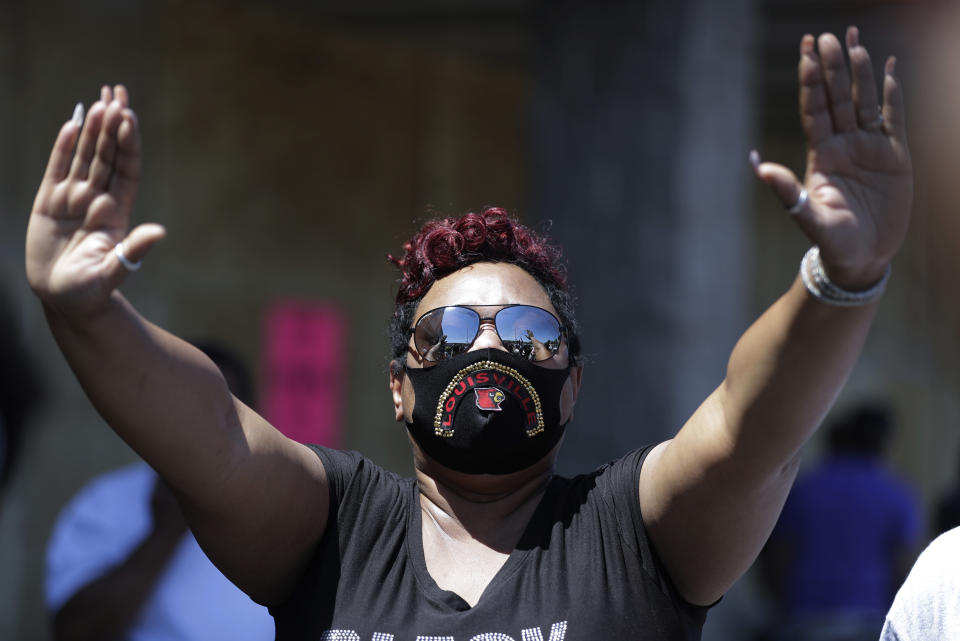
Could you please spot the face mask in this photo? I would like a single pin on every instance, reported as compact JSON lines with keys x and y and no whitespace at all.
{"x":487,"y":411}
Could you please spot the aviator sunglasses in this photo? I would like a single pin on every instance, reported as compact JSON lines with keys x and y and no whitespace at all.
{"x":526,"y":331}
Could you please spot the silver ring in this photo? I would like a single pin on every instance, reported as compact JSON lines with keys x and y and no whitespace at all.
{"x":801,"y":202}
{"x":128,"y":264}
{"x":876,"y":123}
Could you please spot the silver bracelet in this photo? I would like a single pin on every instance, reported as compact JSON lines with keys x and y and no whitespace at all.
{"x":817,"y":282}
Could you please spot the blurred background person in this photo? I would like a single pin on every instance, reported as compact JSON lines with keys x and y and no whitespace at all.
{"x":122,"y":565}
{"x":20,"y":390}
{"x":846,"y":537}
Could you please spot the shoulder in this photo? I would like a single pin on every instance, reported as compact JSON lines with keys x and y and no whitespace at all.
{"x":353,"y":478}
{"x":610,"y":494}
{"x":343,"y":466}
{"x":942,"y":557}
{"x":613,"y":489}
{"x":927,"y":606}
{"x":611,"y":481}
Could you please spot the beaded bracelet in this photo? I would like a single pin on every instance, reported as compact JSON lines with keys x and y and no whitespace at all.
{"x":817,"y":282}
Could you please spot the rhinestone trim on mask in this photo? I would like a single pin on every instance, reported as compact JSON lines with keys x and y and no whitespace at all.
{"x":439,"y":430}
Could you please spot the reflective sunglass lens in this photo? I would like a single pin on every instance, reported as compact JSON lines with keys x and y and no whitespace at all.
{"x":446,"y":332}
{"x":529,"y":332}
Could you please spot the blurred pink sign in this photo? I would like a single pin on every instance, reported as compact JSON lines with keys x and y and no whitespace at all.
{"x":304,"y":370}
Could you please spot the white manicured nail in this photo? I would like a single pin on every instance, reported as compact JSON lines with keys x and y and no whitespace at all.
{"x":78,"y":114}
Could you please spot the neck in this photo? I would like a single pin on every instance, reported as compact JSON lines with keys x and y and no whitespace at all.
{"x":493,"y":509}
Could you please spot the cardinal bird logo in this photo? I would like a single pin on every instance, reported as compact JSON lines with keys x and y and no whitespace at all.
{"x":489,"y":398}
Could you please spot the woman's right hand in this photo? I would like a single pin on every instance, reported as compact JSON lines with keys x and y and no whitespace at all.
{"x":82,"y":210}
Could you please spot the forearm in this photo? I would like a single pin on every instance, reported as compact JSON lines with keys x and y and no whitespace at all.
{"x":104,"y":609}
{"x":165,"y":398}
{"x":718,"y":486}
{"x":712,"y":495}
{"x":785,"y":373}
{"x":225,"y":463}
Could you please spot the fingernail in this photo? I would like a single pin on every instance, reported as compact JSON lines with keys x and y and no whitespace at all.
{"x":78,"y":114}
{"x":755,"y":159}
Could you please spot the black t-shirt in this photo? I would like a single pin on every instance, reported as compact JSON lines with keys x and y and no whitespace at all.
{"x":582,"y":571}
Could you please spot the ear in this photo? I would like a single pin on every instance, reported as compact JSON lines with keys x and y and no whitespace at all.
{"x":396,"y":390}
{"x":569,"y":396}
{"x":576,"y":377}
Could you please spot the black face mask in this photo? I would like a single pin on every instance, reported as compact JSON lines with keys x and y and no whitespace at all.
{"x":487,"y":411}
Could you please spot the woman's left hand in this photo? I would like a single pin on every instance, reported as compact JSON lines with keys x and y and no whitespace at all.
{"x":858,"y":177}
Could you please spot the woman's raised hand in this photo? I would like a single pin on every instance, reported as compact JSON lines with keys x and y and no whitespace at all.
{"x":858,"y":174}
{"x":82,"y":209}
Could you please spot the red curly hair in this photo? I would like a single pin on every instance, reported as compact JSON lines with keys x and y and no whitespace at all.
{"x":444,"y":245}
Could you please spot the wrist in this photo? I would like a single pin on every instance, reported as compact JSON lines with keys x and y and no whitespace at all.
{"x":855,"y":279}
{"x":824,"y":288}
{"x":82,"y":320}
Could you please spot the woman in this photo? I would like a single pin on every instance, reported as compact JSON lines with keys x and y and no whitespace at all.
{"x":486,"y":543}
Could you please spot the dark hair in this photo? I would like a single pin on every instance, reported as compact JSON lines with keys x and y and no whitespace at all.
{"x":445,"y":245}
{"x":865,"y":429}
{"x":22,"y":389}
